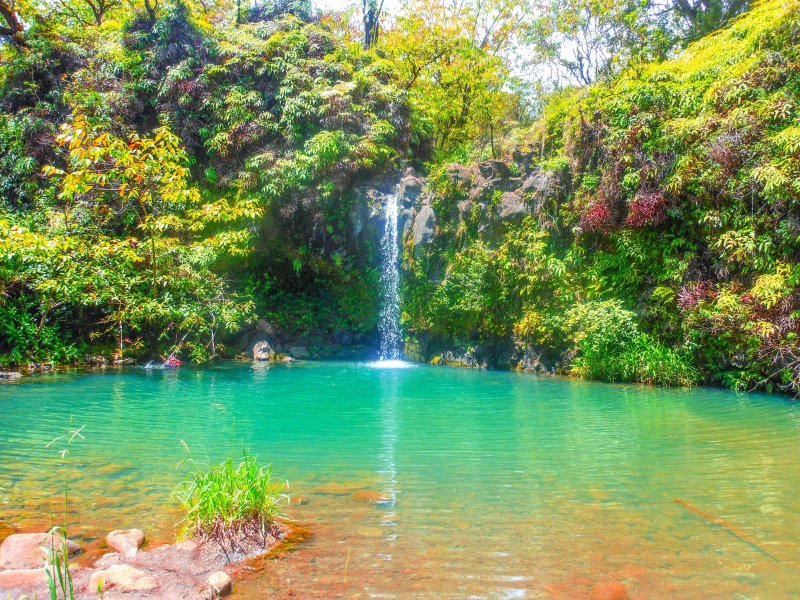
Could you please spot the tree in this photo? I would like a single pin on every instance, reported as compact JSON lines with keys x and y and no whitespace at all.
{"x":13,"y":27}
{"x":583,"y":40}
{"x":272,"y":9}
{"x":371,"y":14}
{"x":700,"y":17}
{"x":88,"y":12}
{"x":451,"y":57}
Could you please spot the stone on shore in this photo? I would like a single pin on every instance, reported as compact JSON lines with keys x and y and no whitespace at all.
{"x":262,"y":351}
{"x":220,"y":582}
{"x":123,"y":578}
{"x":22,"y":578}
{"x":126,"y":541}
{"x":10,"y":375}
{"x":29,"y":550}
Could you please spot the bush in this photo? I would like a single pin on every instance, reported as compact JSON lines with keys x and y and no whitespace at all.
{"x":227,"y":502}
{"x":613,"y":349}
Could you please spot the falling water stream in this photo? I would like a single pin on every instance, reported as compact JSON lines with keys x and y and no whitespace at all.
{"x":389,"y":323}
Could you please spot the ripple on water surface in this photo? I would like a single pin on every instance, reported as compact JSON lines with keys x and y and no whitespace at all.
{"x":435,"y":482}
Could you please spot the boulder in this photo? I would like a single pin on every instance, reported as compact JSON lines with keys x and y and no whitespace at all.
{"x":123,"y":578}
{"x":409,"y":190}
{"x":511,"y":207}
{"x":22,"y":578}
{"x":299,"y":352}
{"x":220,"y":582}
{"x":424,"y":226}
{"x":494,"y":169}
{"x":405,"y":220}
{"x":460,"y":175}
{"x":126,"y":541}
{"x":29,"y":550}
{"x":262,"y":351}
{"x":266,"y":328}
{"x":540,"y":182}
{"x":10,"y":375}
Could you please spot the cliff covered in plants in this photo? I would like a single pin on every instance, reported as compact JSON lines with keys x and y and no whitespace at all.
{"x":648,"y":228}
{"x":165,"y":179}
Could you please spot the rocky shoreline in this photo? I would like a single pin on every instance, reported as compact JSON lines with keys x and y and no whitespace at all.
{"x":197,"y":569}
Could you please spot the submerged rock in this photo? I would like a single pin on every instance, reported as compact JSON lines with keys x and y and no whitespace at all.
{"x":123,"y":578}
{"x":369,"y":496}
{"x":333,"y":488}
{"x":608,"y":590}
{"x":125,"y":541}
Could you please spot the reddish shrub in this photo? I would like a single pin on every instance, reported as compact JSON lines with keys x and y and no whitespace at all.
{"x":597,"y":218}
{"x":646,"y":208}
{"x":691,"y":294}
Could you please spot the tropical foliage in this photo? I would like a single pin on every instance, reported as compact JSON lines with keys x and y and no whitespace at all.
{"x":671,"y":216}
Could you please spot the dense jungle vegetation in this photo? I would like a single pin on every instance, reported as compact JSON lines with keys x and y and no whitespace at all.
{"x":170,"y":171}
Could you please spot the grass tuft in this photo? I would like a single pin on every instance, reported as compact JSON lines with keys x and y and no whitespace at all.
{"x":229,"y":502}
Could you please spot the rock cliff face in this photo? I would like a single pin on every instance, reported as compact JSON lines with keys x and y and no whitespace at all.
{"x":492,"y":196}
{"x":496,"y":193}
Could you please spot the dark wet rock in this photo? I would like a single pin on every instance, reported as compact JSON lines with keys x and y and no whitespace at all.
{"x":608,"y":590}
{"x":123,"y":578}
{"x":424,"y":227}
{"x":262,"y":351}
{"x":531,"y":361}
{"x":220,"y":582}
{"x":95,"y":360}
{"x":29,"y":550}
{"x":299,"y":352}
{"x":340,"y":336}
{"x":125,"y":541}
{"x":454,"y":358}
{"x":9,"y":375}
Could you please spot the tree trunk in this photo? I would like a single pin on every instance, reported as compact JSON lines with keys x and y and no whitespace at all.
{"x":13,"y":28}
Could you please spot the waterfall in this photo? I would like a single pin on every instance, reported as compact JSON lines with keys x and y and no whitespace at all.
{"x":389,"y":324}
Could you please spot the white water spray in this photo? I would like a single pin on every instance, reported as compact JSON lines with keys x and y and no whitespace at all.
{"x":389,"y":324}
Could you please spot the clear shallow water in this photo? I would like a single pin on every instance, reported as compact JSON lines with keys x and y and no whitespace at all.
{"x":498,"y":485}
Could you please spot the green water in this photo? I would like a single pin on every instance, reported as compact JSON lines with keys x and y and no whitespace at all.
{"x":497,"y":485}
